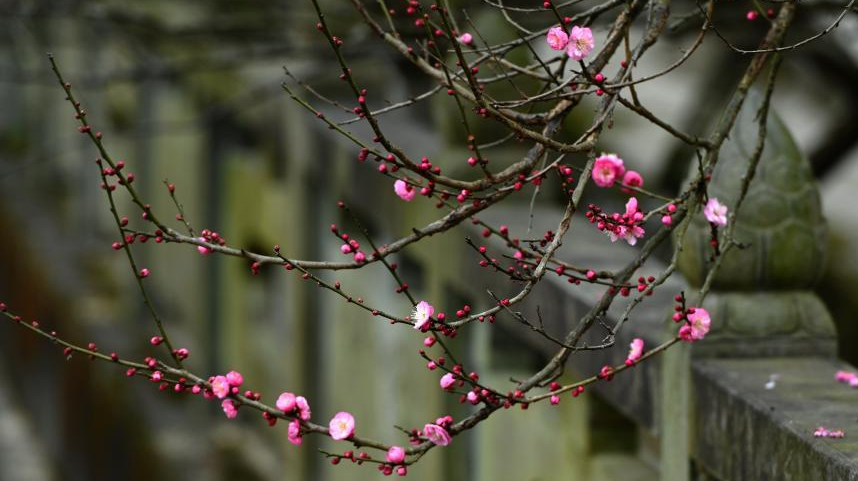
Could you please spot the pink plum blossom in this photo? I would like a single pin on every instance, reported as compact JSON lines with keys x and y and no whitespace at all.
{"x":303,"y":408}
{"x":633,"y":213}
{"x":696,"y":327}
{"x":229,"y":408}
{"x":234,"y":378}
{"x":203,"y":249}
{"x":630,"y":234}
{"x":557,"y":38}
{"x":633,"y":233}
{"x":447,"y":380}
{"x":436,"y":434}
{"x":295,"y":432}
{"x":395,"y":455}
{"x":629,"y":230}
{"x":466,"y":39}
{"x":422,"y":313}
{"x":607,"y":169}
{"x":555,"y":399}
{"x":286,"y":402}
{"x":635,"y":351}
{"x":342,"y":426}
{"x":580,"y":43}
{"x":715,"y":212}
{"x":404,"y":191}
{"x":220,"y":386}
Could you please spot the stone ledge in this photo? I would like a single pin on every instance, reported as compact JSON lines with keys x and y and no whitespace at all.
{"x":741,"y":430}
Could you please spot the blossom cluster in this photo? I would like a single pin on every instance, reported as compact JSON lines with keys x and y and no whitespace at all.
{"x":298,"y":406}
{"x":578,"y":43}
{"x":211,"y":237}
{"x":626,"y":226}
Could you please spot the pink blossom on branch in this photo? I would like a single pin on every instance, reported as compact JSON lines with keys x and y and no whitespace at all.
{"x":715,"y":212}
{"x":447,"y":380}
{"x":303,"y":408}
{"x":341,"y":426}
{"x":580,"y":43}
{"x":629,"y":234}
{"x":220,"y":387}
{"x":633,"y":213}
{"x":607,"y":169}
{"x":628,"y":230}
{"x":635,"y":351}
{"x":229,"y":408}
{"x":234,"y":378}
{"x":557,"y":38}
{"x":436,"y":434}
{"x":294,"y":432}
{"x":404,"y":191}
{"x":422,"y":314}
{"x":466,"y":39}
{"x":286,"y":402}
{"x":395,"y":455}
{"x":697,"y":326}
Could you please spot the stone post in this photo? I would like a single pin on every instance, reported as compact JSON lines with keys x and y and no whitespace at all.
{"x":761,"y":301}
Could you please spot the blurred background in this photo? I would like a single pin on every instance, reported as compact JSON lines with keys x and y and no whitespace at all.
{"x":189,"y":90}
